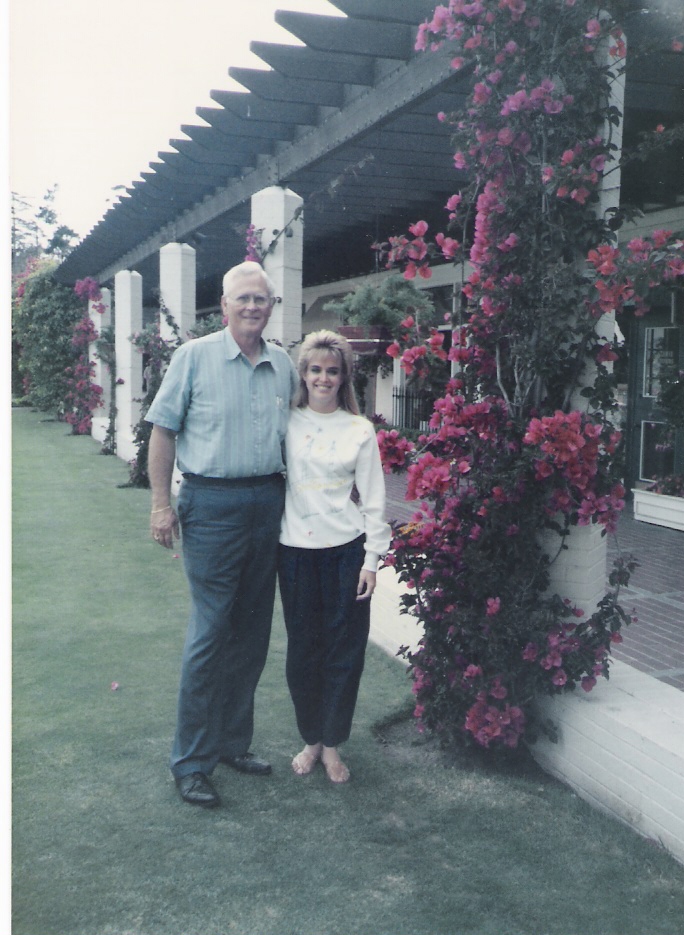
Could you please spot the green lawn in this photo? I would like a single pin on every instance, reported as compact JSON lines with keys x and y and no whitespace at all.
{"x":416,"y":844}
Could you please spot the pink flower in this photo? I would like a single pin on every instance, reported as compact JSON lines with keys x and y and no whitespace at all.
{"x":605,"y":354}
{"x":677,"y":45}
{"x":552,"y":660}
{"x":394,"y":450}
{"x":593,"y":29}
{"x":493,"y":606}
{"x":509,"y":243}
{"x":559,"y":678}
{"x":497,"y":690}
{"x":419,"y":229}
{"x":515,"y":103}
{"x":448,"y":245}
{"x":481,"y":93}
{"x":530,"y":652}
{"x":516,"y":8}
{"x":579,"y":195}
{"x":453,"y":202}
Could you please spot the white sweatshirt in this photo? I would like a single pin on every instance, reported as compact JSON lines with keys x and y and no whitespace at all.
{"x":326,"y":454}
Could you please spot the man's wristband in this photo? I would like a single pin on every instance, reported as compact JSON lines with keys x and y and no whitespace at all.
{"x":152,"y":512}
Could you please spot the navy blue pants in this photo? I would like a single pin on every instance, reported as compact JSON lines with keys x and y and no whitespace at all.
{"x":230,"y":541}
{"x":327,"y":631}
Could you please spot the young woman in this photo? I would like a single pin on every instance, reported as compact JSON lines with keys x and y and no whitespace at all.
{"x":331,"y":544}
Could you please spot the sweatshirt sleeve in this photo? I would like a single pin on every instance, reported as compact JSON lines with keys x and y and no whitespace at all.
{"x":370,"y":483}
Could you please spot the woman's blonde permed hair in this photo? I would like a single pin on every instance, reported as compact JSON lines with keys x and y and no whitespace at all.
{"x":328,"y":342}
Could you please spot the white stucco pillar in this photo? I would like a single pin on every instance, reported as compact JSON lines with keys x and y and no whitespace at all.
{"x":609,"y":200}
{"x":177,"y":286}
{"x":579,"y":572}
{"x":129,"y":364}
{"x":277,"y":213}
{"x":100,"y":313}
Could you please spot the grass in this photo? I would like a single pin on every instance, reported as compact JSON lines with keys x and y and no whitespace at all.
{"x":416,"y":844}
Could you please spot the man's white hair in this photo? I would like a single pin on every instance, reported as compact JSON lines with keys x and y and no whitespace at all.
{"x":247,"y":268}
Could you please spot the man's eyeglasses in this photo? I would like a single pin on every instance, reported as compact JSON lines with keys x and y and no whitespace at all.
{"x":260,"y":301}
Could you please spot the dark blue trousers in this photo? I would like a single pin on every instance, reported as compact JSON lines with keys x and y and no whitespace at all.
{"x":327,"y":631}
{"x":230,"y":540}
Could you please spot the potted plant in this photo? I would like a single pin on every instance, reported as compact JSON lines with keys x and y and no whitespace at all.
{"x":662,"y":502}
{"x":376,"y":312}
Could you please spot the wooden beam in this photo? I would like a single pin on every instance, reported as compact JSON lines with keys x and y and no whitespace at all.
{"x":334,"y":34}
{"x":408,"y":83}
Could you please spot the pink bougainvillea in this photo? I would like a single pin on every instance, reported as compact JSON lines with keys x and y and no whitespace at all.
{"x":522,"y":438}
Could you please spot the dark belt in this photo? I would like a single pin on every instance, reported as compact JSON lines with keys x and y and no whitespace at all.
{"x":231,"y":481}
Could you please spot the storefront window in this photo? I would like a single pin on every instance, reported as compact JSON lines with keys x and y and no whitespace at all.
{"x":662,"y":355}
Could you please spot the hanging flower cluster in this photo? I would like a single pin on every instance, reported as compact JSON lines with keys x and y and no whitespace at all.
{"x":521,"y":443}
{"x":575,"y":455}
{"x":253,"y":248}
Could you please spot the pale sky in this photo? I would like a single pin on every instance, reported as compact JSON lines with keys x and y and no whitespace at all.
{"x":98,"y":87}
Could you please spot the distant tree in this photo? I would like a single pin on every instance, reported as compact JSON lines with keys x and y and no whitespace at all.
{"x":36,"y":231}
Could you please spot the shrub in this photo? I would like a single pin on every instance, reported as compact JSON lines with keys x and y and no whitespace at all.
{"x":44,"y":316}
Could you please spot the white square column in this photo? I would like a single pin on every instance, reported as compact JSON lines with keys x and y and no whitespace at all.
{"x":100,"y":312}
{"x":177,"y":286}
{"x":579,"y":572}
{"x":129,"y":364}
{"x":277,"y":212}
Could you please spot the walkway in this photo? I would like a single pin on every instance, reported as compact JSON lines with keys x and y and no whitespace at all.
{"x":655,"y":643}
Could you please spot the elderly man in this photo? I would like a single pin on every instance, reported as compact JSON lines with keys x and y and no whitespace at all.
{"x":222,"y":412}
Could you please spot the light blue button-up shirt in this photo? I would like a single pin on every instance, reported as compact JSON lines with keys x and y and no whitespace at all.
{"x":230,"y":418}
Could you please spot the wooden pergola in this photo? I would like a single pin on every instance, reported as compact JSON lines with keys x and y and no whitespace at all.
{"x":347,"y":121}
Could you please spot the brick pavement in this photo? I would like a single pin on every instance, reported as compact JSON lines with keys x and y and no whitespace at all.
{"x":655,"y":642}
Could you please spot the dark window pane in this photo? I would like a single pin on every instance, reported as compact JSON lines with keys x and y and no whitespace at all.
{"x":657,"y":450}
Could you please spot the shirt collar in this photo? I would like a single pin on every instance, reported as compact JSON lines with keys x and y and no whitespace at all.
{"x":233,"y":351}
